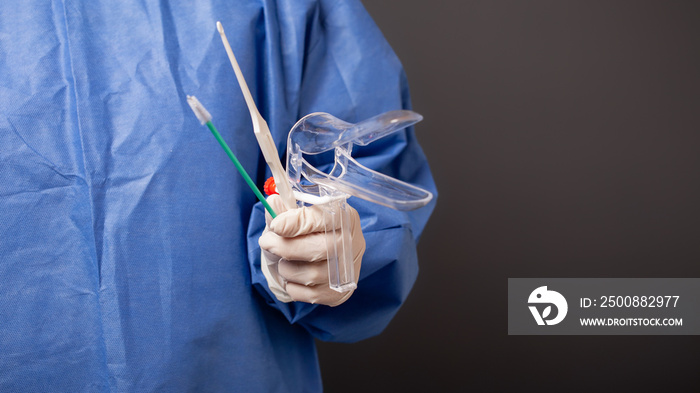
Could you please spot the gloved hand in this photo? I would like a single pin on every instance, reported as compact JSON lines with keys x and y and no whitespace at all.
{"x":294,"y":254}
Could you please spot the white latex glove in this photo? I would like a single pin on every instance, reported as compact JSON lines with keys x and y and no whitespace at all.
{"x":294,"y":254}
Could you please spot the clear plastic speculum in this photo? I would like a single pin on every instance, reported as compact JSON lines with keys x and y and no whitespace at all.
{"x":318,"y":133}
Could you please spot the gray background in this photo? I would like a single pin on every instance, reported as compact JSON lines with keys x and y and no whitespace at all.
{"x":577,"y":130}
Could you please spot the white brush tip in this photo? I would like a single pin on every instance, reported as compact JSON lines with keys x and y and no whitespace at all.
{"x":202,"y":114}
{"x":219,"y":27}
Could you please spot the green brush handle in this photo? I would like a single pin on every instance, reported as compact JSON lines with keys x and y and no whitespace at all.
{"x":240,"y":169}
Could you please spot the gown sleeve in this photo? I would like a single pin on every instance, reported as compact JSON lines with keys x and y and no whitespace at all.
{"x":344,"y":66}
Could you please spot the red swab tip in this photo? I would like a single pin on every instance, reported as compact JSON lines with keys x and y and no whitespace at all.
{"x":270,"y":187}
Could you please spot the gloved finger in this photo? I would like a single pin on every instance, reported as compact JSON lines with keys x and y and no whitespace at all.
{"x":276,"y":283}
{"x":318,"y":294}
{"x":302,"y":221}
{"x":302,"y":272}
{"x":277,"y":205}
{"x":310,"y":248}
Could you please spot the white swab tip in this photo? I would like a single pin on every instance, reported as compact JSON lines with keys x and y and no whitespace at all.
{"x":219,"y":27}
{"x":202,"y":114}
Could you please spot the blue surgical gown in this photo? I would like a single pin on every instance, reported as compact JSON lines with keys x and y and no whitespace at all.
{"x":128,"y":242}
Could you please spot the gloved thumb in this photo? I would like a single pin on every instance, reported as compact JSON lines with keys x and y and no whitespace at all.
{"x":277,"y":205}
{"x":302,"y":221}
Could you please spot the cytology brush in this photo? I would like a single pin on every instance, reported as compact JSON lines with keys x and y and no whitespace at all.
{"x":205,"y":118}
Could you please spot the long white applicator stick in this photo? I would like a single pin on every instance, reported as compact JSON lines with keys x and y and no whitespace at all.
{"x":262,"y":131}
